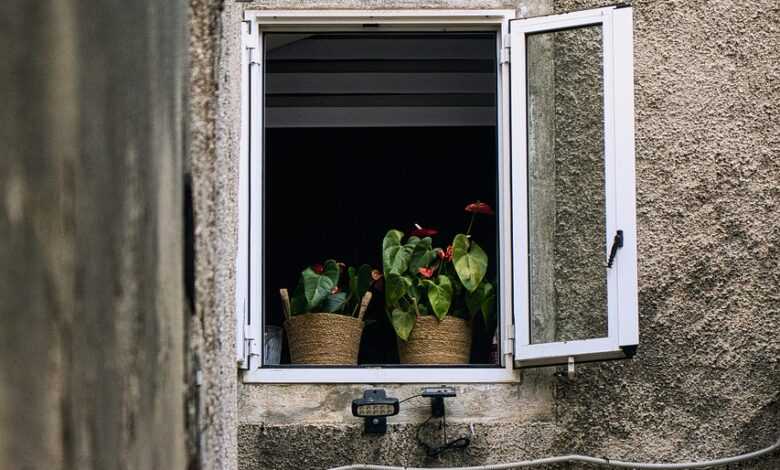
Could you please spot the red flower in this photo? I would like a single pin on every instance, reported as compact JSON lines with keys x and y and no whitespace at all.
{"x":426,"y":272}
{"x":479,"y":208}
{"x":445,"y":255}
{"x":376,"y":275}
{"x":335,"y":290}
{"x":318,"y":268}
{"x":418,"y":231}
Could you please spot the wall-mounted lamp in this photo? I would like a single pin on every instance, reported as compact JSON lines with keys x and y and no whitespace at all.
{"x":375,"y":407}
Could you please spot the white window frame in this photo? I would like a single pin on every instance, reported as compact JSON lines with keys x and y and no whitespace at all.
{"x":622,"y":315}
{"x":511,"y":185}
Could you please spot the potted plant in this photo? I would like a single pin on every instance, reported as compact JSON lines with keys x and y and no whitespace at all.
{"x":324,"y":317}
{"x":432,"y":294}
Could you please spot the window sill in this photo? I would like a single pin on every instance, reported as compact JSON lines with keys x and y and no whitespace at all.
{"x":392,"y":375}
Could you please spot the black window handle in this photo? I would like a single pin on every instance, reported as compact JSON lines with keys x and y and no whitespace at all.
{"x":616,"y":243}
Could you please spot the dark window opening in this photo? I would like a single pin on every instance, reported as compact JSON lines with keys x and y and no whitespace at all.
{"x":368,"y":132}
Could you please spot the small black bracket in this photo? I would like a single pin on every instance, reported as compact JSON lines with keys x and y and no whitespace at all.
{"x":437,"y":396}
{"x":616,"y":243}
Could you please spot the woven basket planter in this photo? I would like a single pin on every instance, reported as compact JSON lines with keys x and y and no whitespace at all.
{"x":324,"y":338}
{"x":435,"y":342}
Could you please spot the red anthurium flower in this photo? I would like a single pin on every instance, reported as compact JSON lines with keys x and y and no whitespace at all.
{"x":446,"y":255}
{"x":479,"y":208}
{"x":418,"y":231}
{"x":318,"y":268}
{"x":335,"y":290}
{"x":376,"y":275}
{"x":426,"y":272}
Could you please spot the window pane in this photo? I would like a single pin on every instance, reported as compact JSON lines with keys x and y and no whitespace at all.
{"x":567,"y":286}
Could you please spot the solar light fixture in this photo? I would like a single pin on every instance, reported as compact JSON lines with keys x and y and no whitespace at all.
{"x":375,"y":407}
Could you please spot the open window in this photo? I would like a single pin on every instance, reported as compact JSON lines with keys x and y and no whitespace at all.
{"x":573,"y":187}
{"x":351,"y":119}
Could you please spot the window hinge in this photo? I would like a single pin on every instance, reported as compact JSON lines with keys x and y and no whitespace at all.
{"x":251,"y":344}
{"x":509,"y":342}
{"x":504,"y":55}
{"x":506,"y":44}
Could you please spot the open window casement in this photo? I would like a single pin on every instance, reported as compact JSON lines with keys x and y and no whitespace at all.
{"x":573,"y":198}
{"x":565,"y":185}
{"x":249,"y":339}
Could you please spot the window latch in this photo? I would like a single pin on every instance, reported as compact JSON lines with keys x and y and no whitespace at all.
{"x":616,"y":243}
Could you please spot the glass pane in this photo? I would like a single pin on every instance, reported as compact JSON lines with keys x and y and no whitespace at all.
{"x":568,"y":287}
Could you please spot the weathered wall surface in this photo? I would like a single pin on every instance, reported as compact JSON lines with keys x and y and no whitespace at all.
{"x":91,"y":351}
{"x":212,"y":168}
{"x":706,"y":379}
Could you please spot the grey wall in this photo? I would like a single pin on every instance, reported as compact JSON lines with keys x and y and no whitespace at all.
{"x":91,"y":350}
{"x":706,"y":379}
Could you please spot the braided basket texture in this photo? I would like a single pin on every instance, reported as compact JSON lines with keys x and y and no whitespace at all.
{"x":435,"y":342}
{"x":324,"y":338}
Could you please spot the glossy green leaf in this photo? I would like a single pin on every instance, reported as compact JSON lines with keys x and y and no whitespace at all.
{"x":396,"y":286}
{"x":334,"y":302}
{"x":403,"y":322}
{"x":315,"y":287}
{"x":470,"y":262}
{"x":422,"y":255}
{"x":482,"y":299}
{"x":439,"y":295}
{"x":332,"y":271}
{"x":488,"y":303}
{"x":395,"y":256}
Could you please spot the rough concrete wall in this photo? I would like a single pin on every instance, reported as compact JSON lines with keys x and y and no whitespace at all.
{"x":212,"y":169}
{"x":706,"y":378}
{"x":91,"y":351}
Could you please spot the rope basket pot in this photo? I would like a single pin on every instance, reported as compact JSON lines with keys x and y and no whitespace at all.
{"x":325,"y":338}
{"x":435,"y":342}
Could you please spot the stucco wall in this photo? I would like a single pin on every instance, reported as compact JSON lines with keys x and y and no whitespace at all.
{"x":91,"y":298}
{"x":706,"y":379}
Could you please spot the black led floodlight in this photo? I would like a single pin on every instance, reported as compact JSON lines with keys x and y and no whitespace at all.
{"x":375,"y":407}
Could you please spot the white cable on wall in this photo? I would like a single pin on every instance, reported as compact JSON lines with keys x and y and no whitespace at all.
{"x":584,"y":458}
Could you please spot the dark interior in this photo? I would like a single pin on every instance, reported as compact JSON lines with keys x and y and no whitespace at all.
{"x":334,"y":191}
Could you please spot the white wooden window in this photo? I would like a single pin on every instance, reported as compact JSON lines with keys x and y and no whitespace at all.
{"x":518,"y":345}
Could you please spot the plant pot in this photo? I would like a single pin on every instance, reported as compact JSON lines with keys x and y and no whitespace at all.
{"x":324,"y":338}
{"x":437,"y":342}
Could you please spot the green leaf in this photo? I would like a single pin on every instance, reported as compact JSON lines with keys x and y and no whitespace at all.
{"x":439,"y":295}
{"x":332,"y":271}
{"x":403,"y":322}
{"x":334,"y":302}
{"x":396,"y":286}
{"x":395,"y":257}
{"x":470,"y":262}
{"x":315,"y":287}
{"x":488,"y":303}
{"x":482,"y":299}
{"x":422,"y":255}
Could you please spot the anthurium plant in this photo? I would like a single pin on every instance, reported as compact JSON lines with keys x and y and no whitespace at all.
{"x":421,"y":279}
{"x":332,"y":287}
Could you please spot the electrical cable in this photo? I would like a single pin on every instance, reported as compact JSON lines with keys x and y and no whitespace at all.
{"x":409,"y":398}
{"x":586,"y":459}
{"x":435,"y":451}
